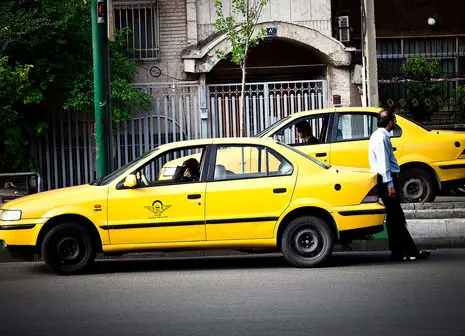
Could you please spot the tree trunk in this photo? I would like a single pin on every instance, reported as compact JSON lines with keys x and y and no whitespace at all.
{"x":242,"y":103}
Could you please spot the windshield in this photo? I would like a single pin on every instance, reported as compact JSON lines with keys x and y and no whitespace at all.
{"x":110,"y":177}
{"x":321,"y":164}
{"x":276,"y":124}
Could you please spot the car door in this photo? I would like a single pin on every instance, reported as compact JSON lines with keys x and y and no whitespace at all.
{"x":350,"y":139}
{"x":159,"y":209}
{"x":244,"y":200}
{"x":320,"y":126}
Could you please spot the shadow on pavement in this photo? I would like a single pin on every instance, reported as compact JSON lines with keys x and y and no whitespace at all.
{"x":165,"y":264}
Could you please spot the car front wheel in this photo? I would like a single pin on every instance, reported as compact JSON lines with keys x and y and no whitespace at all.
{"x":416,"y":186}
{"x":68,"y":249}
{"x":307,"y":242}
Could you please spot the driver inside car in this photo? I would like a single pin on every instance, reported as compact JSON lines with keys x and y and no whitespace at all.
{"x":188,"y":172}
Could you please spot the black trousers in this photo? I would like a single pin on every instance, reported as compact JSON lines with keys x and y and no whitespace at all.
{"x":400,"y":240}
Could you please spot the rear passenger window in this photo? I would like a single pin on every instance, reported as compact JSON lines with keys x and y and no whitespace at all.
{"x":355,"y":126}
{"x":239,"y":162}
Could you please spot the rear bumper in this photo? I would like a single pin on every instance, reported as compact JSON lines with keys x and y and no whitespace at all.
{"x":359,"y":220}
{"x":450,"y":171}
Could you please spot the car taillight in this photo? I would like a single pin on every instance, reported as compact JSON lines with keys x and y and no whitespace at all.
{"x":372,"y":196}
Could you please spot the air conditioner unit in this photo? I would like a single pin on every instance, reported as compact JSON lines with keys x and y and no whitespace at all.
{"x":344,"y":28}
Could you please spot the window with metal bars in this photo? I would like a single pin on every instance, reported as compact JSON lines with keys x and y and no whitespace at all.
{"x":142,"y":18}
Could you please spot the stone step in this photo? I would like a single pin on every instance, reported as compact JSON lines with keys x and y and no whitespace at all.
{"x":433,"y":206}
{"x":435,"y":213}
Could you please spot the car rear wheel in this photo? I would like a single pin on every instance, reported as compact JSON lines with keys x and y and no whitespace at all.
{"x":416,"y":186}
{"x":307,"y":242}
{"x":68,"y":249}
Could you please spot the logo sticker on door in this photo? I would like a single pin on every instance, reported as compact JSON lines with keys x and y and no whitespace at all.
{"x":157,"y":209}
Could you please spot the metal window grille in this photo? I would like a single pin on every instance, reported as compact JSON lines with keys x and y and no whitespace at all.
{"x":142,"y":18}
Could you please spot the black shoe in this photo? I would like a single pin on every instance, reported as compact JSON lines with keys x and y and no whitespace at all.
{"x":424,"y":254}
{"x":421,"y":255}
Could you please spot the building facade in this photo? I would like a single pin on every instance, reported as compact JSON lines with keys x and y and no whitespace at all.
{"x":311,"y":58}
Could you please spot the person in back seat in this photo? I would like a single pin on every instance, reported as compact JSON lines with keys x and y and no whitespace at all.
{"x":220,"y":172}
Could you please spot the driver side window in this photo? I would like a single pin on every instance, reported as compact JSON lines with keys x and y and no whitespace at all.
{"x":308,"y":130}
{"x":175,"y":166}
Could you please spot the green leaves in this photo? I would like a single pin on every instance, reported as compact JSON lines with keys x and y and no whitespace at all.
{"x":46,"y":65}
{"x":422,"y":93}
{"x":420,"y":68}
{"x":240,"y":27}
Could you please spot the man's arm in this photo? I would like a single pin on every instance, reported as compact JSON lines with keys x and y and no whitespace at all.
{"x":381,"y":150}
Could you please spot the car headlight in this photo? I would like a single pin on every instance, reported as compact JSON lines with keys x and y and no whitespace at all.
{"x":10,"y":215}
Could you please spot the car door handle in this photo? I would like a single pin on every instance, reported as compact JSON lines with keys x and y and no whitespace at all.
{"x":194,"y":196}
{"x":320,"y":154}
{"x":279,"y":190}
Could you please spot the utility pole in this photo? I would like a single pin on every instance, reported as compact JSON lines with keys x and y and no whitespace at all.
{"x":370,"y":65}
{"x":101,"y":87}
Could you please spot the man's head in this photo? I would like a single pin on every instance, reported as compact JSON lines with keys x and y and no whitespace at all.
{"x":387,"y":119}
{"x":303,"y":129}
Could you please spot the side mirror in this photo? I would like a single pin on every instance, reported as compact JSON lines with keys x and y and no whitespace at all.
{"x":130,"y":181}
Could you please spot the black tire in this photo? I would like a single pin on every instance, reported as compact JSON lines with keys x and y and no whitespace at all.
{"x":68,"y":249}
{"x":307,"y":242}
{"x":417,"y":185}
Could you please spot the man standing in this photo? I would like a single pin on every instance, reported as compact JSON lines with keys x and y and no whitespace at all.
{"x":383,"y":162}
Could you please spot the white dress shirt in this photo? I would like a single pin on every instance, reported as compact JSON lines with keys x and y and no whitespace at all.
{"x":381,"y":155}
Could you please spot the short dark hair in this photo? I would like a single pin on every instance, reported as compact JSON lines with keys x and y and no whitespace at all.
{"x":303,"y":126}
{"x":191,"y":164}
{"x":385,"y":116}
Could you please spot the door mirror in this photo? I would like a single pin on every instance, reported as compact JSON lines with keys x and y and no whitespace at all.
{"x":130,"y":181}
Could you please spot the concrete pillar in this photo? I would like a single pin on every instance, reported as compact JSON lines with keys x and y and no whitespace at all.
{"x":191,"y":11}
{"x":371,"y":97}
{"x":339,"y":83}
{"x":205,"y":123}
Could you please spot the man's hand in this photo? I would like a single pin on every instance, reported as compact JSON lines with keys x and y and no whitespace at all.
{"x":391,"y":192}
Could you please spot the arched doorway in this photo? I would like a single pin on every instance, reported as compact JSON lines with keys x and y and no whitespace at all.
{"x":286,"y":73}
{"x":274,"y":59}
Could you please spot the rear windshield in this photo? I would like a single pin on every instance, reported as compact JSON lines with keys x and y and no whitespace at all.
{"x":321,"y":164}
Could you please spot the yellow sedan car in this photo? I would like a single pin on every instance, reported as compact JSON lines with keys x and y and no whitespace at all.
{"x":430,"y":160}
{"x":282,"y":199}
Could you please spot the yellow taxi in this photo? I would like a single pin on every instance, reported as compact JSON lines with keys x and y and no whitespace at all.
{"x":430,"y":160}
{"x":283,"y":199}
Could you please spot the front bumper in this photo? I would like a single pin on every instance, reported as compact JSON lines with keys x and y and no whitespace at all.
{"x":19,"y":233}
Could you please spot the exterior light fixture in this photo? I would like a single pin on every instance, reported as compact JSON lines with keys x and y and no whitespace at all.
{"x":431,"y":21}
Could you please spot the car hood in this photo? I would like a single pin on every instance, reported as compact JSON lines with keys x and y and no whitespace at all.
{"x":35,"y":205}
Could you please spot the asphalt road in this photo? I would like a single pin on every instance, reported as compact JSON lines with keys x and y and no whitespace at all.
{"x":356,"y":294}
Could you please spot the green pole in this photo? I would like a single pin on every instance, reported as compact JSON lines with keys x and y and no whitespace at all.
{"x":101,"y":98}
